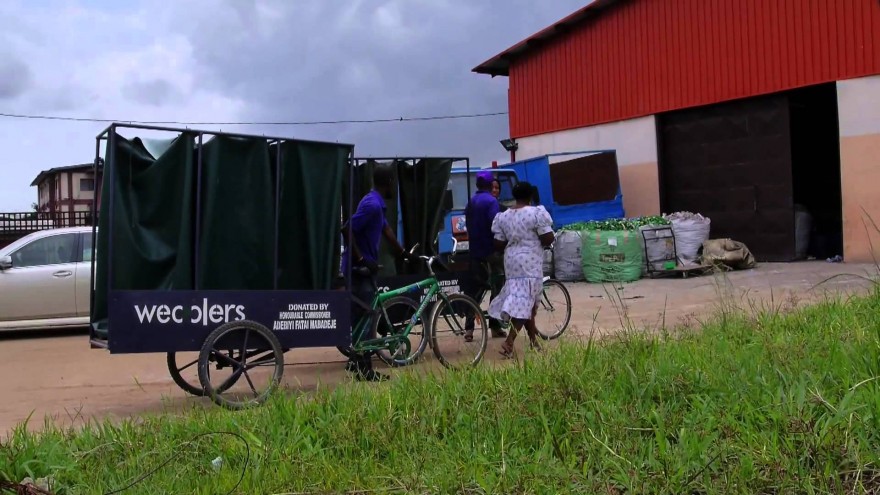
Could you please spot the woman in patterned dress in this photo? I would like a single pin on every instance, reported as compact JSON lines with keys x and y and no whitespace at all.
{"x":521,"y":232}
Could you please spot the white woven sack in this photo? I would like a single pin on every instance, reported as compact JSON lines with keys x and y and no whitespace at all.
{"x":567,"y":256}
{"x":690,"y":231}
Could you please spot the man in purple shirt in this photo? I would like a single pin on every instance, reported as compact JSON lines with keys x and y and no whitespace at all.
{"x":368,"y":226}
{"x":479,"y":214}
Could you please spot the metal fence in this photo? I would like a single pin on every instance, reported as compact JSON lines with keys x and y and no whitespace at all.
{"x":16,"y":225}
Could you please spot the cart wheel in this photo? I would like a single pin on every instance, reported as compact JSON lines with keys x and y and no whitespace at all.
{"x":240,"y":349}
{"x":179,"y":365}
{"x":188,"y":365}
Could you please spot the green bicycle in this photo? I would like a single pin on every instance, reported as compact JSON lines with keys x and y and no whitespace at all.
{"x":402,"y":330}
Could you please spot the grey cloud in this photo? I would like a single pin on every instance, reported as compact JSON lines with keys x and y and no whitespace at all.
{"x":16,"y":77}
{"x":69,"y":98}
{"x":155,"y":92}
{"x":342,"y":59}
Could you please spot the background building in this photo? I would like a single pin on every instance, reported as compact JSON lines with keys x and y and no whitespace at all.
{"x":66,"y":189}
{"x":745,"y":111}
{"x":64,"y":199}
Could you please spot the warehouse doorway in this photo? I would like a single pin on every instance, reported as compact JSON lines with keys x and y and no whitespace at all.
{"x":732,"y":163}
{"x":752,"y":167}
{"x":815,"y":158}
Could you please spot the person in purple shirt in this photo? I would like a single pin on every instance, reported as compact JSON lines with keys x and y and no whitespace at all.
{"x":479,"y":214}
{"x":368,"y":226}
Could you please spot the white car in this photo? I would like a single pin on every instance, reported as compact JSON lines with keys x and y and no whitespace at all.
{"x":45,"y":278}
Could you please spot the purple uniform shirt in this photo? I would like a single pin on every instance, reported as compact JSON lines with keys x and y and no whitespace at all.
{"x":479,"y":213}
{"x":367,"y":225}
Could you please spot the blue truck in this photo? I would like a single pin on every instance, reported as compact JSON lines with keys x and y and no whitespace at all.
{"x":573,"y":187}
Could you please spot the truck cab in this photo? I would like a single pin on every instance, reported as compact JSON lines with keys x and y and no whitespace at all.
{"x":575,"y":186}
{"x":454,"y":229}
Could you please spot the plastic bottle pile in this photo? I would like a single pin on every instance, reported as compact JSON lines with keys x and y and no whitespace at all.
{"x":614,"y":250}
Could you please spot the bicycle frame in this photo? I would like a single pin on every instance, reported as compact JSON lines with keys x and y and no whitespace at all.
{"x":377,"y":309}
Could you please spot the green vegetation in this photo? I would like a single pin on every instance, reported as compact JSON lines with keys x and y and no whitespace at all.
{"x":760,"y":403}
{"x":618,"y":224}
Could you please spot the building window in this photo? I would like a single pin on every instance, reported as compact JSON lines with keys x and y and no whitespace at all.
{"x":87,"y":184}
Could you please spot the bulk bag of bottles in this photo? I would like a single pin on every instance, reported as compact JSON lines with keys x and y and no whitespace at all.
{"x":612,"y":255}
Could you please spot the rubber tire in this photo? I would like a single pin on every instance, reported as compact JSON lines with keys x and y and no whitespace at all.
{"x":171,"y":360}
{"x":417,"y":351}
{"x":478,"y":313}
{"x":204,"y":363}
{"x":178,"y":378}
{"x":555,"y":335}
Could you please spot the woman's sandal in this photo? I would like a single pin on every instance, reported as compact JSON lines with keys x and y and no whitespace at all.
{"x":506,"y":352}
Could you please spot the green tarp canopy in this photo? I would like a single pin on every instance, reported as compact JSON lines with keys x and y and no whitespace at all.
{"x":152,"y":219}
{"x":205,"y":216}
{"x":423,"y":185}
{"x":309,"y":221}
{"x":159,"y":244}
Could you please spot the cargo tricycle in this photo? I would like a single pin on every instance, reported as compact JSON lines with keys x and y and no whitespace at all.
{"x":222,"y":250}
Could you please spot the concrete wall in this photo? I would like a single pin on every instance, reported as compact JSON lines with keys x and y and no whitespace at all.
{"x":65,"y":192}
{"x":43,"y":194}
{"x":636,"y":144}
{"x":859,"y":109}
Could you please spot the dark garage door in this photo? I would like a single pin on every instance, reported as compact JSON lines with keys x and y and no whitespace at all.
{"x":732,"y":163}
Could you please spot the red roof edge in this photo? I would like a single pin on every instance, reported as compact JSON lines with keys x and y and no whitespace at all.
{"x":499,"y":65}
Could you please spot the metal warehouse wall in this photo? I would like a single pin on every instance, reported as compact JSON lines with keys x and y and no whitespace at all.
{"x":642,"y":57}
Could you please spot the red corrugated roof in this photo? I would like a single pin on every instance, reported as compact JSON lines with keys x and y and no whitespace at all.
{"x":643,"y":57}
{"x":499,"y":65}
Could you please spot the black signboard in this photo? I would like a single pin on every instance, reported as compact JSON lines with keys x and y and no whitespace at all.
{"x":177,"y":321}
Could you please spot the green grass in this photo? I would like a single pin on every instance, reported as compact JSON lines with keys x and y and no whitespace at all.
{"x":762,"y":403}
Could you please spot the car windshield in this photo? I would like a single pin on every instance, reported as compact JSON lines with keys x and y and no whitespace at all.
{"x":458,"y":186}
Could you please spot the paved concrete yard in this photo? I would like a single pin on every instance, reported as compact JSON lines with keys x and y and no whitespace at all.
{"x":57,"y":375}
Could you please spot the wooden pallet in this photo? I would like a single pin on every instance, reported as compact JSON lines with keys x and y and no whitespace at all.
{"x":681,"y":271}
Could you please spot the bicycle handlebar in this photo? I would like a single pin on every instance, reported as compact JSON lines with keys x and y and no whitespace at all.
{"x":429,"y":261}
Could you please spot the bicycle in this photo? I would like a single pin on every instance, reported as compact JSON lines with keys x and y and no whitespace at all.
{"x":395,"y":317}
{"x":557,"y":314}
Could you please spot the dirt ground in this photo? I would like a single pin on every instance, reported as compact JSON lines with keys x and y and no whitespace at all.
{"x":57,"y":376}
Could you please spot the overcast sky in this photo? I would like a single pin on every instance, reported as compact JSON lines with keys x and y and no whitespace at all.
{"x":255,"y":60}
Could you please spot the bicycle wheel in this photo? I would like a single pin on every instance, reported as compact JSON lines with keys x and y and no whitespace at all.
{"x":554,"y":310}
{"x":449,"y":337}
{"x":400,"y":311}
{"x":245,"y":354}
